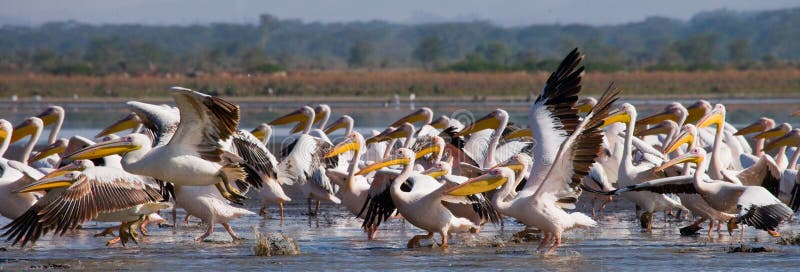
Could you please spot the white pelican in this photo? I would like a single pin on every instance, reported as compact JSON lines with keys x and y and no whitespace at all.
{"x":790,"y":184}
{"x":480,"y":214}
{"x":99,"y":193}
{"x":52,"y":115}
{"x":345,"y":122}
{"x":483,"y":146}
{"x":193,"y":156}
{"x":304,"y":165}
{"x":31,"y":126}
{"x":760,"y":125}
{"x":421,"y":205}
{"x":206,"y":203}
{"x":271,"y":190}
{"x":12,"y":205}
{"x":754,"y":205}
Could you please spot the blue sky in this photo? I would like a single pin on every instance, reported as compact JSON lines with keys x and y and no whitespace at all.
{"x":503,"y":12}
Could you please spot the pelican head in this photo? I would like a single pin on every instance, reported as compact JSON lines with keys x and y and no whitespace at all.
{"x":123,"y":145}
{"x":262,"y":132}
{"x":381,"y":136}
{"x":790,"y":139}
{"x":303,"y":114}
{"x":585,"y":105}
{"x":78,"y":165}
{"x":687,"y":136}
{"x":5,"y":129}
{"x":695,"y":155}
{"x":759,"y":125}
{"x":697,"y":110}
{"x":353,"y":142}
{"x":402,"y":156}
{"x":622,"y":115}
{"x":28,"y":127}
{"x":775,"y":132}
{"x":51,"y":115}
{"x":715,"y":116}
{"x":54,"y":182}
{"x":423,"y":114}
{"x":520,"y":163}
{"x":435,"y":146}
{"x":673,"y":111}
{"x":438,"y":169}
{"x":519,"y":134}
{"x":440,"y":123}
{"x":321,"y":111}
{"x":493,"y":120}
{"x":496,"y":177}
{"x":128,"y":122}
{"x":405,"y":130}
{"x":58,"y":147}
{"x":345,"y":122}
{"x":665,"y":127}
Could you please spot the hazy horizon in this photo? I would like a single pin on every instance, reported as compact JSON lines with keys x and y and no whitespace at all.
{"x":505,"y":13}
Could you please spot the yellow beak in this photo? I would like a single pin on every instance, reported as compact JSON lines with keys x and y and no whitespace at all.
{"x":417,"y":116}
{"x":477,"y":185}
{"x":684,"y":138}
{"x":99,"y":150}
{"x":60,"y":181}
{"x":259,"y":134}
{"x":428,"y":150}
{"x":655,"y":130}
{"x":128,"y":122}
{"x":772,"y":133}
{"x":295,"y":116}
{"x":657,"y":118}
{"x":339,"y":124}
{"x":519,"y":134}
{"x":435,"y":172}
{"x":385,"y":163}
{"x":48,"y":118}
{"x":584,"y":108}
{"x":687,"y":157}
{"x":63,"y":170}
{"x":299,"y":127}
{"x":440,"y":123}
{"x":343,"y":147}
{"x":55,"y":148}
{"x":3,"y":134}
{"x":752,"y":128}
{"x":22,"y":131}
{"x":618,"y":117}
{"x":790,"y":139}
{"x":487,"y":122}
{"x":712,"y":118}
{"x":695,"y":113}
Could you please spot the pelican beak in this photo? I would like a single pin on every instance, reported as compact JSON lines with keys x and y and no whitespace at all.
{"x":684,"y":138}
{"x":128,"y":122}
{"x":416,"y":116}
{"x":657,"y":118}
{"x":696,"y":112}
{"x":440,"y":123}
{"x":686,"y":157}
{"x":56,"y":148}
{"x":48,"y":117}
{"x":3,"y":134}
{"x":65,"y":169}
{"x":295,"y":116}
{"x":299,"y":127}
{"x":99,"y":150}
{"x":752,"y":128}
{"x":434,"y":172}
{"x":394,"y":160}
{"x":339,"y":124}
{"x":714,"y":117}
{"x":259,"y":134}
{"x":772,"y":133}
{"x":583,"y":107}
{"x":477,"y":185}
{"x":516,"y":166}
{"x":489,"y":121}
{"x":22,"y":130}
{"x":791,"y":139}
{"x":433,"y":148}
{"x":655,"y":130}
{"x":618,"y":117}
{"x":375,"y":139}
{"x":519,"y":134}
{"x":349,"y":145}
{"x":60,"y":181}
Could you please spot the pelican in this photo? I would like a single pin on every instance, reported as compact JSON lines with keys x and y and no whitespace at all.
{"x":271,"y":191}
{"x":193,"y":156}
{"x":421,"y":205}
{"x":790,"y":184}
{"x":207,"y":204}
{"x":753,"y":205}
{"x":345,"y":122}
{"x":760,"y":125}
{"x":99,"y":193}
{"x":483,"y":146}
{"x":51,"y":115}
{"x":12,"y":205}
{"x":304,"y":164}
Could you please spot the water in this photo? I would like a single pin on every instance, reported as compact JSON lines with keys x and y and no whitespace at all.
{"x":334,"y":241}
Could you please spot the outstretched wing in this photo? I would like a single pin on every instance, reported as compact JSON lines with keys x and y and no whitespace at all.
{"x":255,"y":156}
{"x":379,"y":205}
{"x":205,"y":121}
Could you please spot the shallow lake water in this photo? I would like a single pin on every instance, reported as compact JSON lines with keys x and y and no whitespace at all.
{"x":334,"y":240}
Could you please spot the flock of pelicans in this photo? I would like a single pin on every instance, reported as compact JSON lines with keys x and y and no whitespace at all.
{"x":443,"y":177}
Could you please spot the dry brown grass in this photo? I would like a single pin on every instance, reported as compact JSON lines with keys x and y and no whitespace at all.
{"x":381,"y":84}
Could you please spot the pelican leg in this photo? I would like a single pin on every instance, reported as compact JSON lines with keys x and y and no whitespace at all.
{"x":280,"y":204}
{"x":414,"y":242}
{"x":316,"y":211}
{"x":555,"y":244}
{"x":732,"y":225}
{"x":113,"y":241}
{"x":593,"y":213}
{"x":230,"y":231}
{"x":545,"y":241}
{"x":711,"y":227}
{"x":174,"y":217}
{"x":208,"y":232}
{"x":143,"y":225}
{"x":107,"y":231}
{"x":605,"y":202}
{"x":444,"y":240}
{"x":372,"y":231}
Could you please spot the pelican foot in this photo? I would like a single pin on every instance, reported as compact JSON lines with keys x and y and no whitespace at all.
{"x":690,"y":230}
{"x":107,"y":231}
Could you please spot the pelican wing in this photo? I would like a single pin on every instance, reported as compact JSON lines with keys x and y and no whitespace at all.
{"x":675,"y":185}
{"x":97,"y":190}
{"x":509,"y":149}
{"x":480,"y":203}
{"x":764,"y":173}
{"x":578,"y":152}
{"x":205,"y":121}
{"x":28,"y":171}
{"x":160,"y":121}
{"x":758,"y":208}
{"x":379,"y":205}
{"x":255,"y":154}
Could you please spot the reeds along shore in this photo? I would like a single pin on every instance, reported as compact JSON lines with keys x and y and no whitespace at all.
{"x":385,"y":83}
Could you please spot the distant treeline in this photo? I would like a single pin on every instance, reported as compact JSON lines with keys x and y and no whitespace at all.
{"x":712,"y":40}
